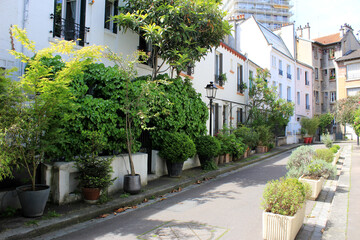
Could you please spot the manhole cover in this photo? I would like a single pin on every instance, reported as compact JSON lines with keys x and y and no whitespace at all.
{"x":188,"y":231}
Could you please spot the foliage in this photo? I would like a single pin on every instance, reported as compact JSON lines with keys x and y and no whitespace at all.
{"x":325,"y":121}
{"x":9,"y":212}
{"x":346,"y":109}
{"x":298,"y":160}
{"x":337,"y":146}
{"x":35,"y":127}
{"x":285,"y":196}
{"x":356,"y":124}
{"x":177,"y":147}
{"x":320,"y":168}
{"x":249,"y":136}
{"x":207,"y":147}
{"x":179,"y":108}
{"x":180,"y":31}
{"x":310,"y":125}
{"x":265,"y":135}
{"x":326,"y":139}
{"x":209,"y":165}
{"x":334,"y":149}
{"x":265,"y":106}
{"x":324,"y":154}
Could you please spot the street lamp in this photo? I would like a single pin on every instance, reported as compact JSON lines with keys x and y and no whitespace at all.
{"x":211,"y":94}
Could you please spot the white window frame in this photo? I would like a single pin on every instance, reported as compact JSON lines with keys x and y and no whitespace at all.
{"x":298,"y":98}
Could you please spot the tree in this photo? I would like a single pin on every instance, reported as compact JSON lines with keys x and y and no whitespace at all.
{"x":265,"y":106}
{"x":325,"y":122}
{"x":345,"y":109}
{"x":180,"y":31}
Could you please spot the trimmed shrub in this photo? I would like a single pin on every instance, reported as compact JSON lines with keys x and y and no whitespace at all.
{"x":320,"y":168}
{"x":285,"y":196}
{"x":324,"y":154}
{"x":298,"y":160}
{"x":248,"y":135}
{"x":177,"y":147}
{"x":326,"y":139}
{"x":337,"y":146}
{"x":265,"y":135}
{"x":334,"y":149}
{"x":207,"y":147}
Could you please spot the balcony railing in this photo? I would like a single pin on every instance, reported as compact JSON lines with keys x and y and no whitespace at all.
{"x":69,"y":30}
{"x":219,"y":80}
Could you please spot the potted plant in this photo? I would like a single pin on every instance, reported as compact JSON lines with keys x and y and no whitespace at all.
{"x":207,"y":147}
{"x":176,"y":149}
{"x":249,"y":137}
{"x":34,"y":129}
{"x":284,"y":208}
{"x":314,"y":175}
{"x":94,"y":172}
{"x":298,"y":160}
{"x":310,"y":125}
{"x":265,"y":137}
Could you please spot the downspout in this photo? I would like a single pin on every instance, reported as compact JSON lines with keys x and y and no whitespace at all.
{"x":248,"y":84}
{"x":25,"y":16}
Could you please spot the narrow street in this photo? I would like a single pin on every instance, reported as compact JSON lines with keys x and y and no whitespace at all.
{"x":227,"y":207}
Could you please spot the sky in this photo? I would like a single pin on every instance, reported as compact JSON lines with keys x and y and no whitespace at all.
{"x":326,"y":16}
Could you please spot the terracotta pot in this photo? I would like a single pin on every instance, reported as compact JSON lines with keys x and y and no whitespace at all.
{"x":221,"y":159}
{"x":216,"y":160}
{"x":261,"y":149}
{"x":227,"y":158}
{"x":91,"y":193}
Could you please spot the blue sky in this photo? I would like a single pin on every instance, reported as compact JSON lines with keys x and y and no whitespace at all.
{"x":326,"y":16}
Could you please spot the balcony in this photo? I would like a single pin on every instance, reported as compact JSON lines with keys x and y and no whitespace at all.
{"x":69,"y":30}
{"x":280,"y":72}
{"x":289,"y":76}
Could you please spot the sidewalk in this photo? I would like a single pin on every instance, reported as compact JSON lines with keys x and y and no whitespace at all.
{"x":18,"y":227}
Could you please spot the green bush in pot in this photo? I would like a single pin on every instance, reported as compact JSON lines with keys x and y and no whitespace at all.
{"x":324,"y":154}
{"x":319,"y":168}
{"x":176,"y":149}
{"x":298,"y":160}
{"x":207,"y":147}
{"x":249,"y":136}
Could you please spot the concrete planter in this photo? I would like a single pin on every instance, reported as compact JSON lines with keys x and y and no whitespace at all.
{"x":261,"y":149}
{"x":280,"y":227}
{"x":316,"y":186}
{"x":33,"y":202}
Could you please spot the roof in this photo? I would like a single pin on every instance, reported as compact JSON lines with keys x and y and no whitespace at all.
{"x":350,"y":55}
{"x":233,"y":51}
{"x":333,"y":38}
{"x":275,"y":40}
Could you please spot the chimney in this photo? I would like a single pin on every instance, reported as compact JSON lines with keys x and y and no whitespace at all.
{"x":299,"y":32}
{"x":344,"y":29}
{"x":306,"y":31}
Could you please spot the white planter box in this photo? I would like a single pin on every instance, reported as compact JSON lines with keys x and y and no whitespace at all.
{"x":316,"y":186}
{"x":280,"y":227}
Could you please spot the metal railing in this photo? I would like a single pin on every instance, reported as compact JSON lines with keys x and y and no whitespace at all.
{"x":69,"y":30}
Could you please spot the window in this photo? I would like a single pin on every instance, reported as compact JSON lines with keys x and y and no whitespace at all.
{"x":280,"y":68}
{"x":306,"y":78}
{"x":325,"y":72}
{"x":317,"y":97}
{"x":280,"y":90}
{"x":353,"y":71}
{"x":273,"y":61}
{"x":307,"y":100}
{"x":250,"y":79}
{"x":315,"y":53}
{"x":111,"y":9}
{"x":316,"y":73}
{"x":218,"y":68}
{"x":240,"y":83}
{"x":331,"y":53}
{"x":332,"y":97}
{"x":298,"y":73}
{"x":289,"y":94}
{"x":239,"y":116}
{"x":288,"y":71}
{"x":332,"y":74}
{"x":298,"y":98}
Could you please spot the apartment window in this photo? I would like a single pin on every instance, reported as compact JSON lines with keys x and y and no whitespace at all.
{"x":306,"y":78}
{"x":289,"y":94}
{"x":111,"y":9}
{"x":331,"y":53}
{"x":353,"y":71}
{"x":298,"y":73}
{"x":250,"y":79}
{"x":307,"y":101}
{"x":332,"y":97}
{"x":280,"y":68}
{"x":288,"y":71}
{"x":280,"y":90}
{"x":218,"y":68}
{"x":240,"y":82}
{"x":332,"y":74}
{"x":315,"y":53}
{"x":316,"y":73}
{"x":325,"y":72}
{"x":273,"y":61}
{"x":298,"y":98}
{"x":317,"y":97}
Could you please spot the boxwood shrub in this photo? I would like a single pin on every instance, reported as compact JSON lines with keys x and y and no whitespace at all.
{"x":177,"y":147}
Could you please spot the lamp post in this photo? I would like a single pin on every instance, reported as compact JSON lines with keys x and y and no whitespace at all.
{"x":211,"y":94}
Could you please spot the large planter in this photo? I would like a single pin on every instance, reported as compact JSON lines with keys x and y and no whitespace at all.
{"x":174,"y":169}
{"x":280,"y":227}
{"x":132,"y":184}
{"x":247,"y":153}
{"x":261,"y":149}
{"x":91,"y":195}
{"x":316,"y":186}
{"x":33,"y":202}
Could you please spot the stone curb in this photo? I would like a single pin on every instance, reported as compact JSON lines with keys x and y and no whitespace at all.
{"x":91,"y":212}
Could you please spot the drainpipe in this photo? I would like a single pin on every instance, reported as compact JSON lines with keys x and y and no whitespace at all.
{"x":24,"y":19}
